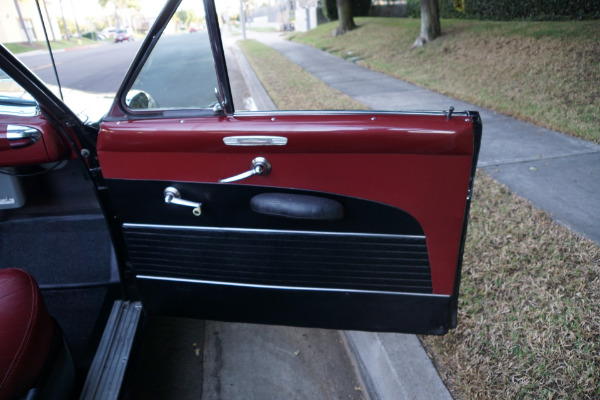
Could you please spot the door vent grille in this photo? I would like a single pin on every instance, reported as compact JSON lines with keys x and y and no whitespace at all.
{"x":391,"y":263}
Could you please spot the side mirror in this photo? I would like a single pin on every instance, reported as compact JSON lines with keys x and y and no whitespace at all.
{"x":139,"y":100}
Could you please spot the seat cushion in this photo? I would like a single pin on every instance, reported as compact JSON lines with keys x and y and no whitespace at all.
{"x":26,"y":332}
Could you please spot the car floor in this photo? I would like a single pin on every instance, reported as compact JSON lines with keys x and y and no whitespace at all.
{"x":191,"y":359}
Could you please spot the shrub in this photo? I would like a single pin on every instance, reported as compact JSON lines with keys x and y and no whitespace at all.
{"x":360,"y":8}
{"x":448,"y":8}
{"x":533,"y":9}
{"x":539,"y":10}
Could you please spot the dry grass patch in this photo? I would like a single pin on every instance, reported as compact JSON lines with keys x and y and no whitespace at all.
{"x":529,"y":314}
{"x":290,"y":86}
{"x":543,"y":72}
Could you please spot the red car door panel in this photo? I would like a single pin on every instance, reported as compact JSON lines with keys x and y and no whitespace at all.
{"x":398,"y":162}
{"x":401,"y":179}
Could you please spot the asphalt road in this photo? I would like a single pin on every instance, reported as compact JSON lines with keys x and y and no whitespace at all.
{"x":180,"y":72}
{"x":99,"y":68}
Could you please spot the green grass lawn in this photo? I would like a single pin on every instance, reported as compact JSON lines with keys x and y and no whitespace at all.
{"x":17,"y":48}
{"x":547,"y":73}
{"x":529,"y":314}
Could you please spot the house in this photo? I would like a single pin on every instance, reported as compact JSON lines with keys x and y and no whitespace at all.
{"x":308,"y":15}
{"x":30,"y":29}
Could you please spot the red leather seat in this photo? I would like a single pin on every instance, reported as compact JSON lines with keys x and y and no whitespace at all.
{"x":26,"y":333}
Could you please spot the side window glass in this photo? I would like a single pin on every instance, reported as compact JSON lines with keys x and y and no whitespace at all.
{"x":14,"y":100}
{"x":180,"y":71}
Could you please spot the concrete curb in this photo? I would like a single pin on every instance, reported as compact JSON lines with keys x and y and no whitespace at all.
{"x":45,"y":50}
{"x":395,"y":366}
{"x":257,"y":91}
{"x":37,"y":52}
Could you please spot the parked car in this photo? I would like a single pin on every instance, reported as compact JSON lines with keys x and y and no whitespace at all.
{"x":175,"y":204}
{"x":109,"y":32}
{"x":122,"y":35}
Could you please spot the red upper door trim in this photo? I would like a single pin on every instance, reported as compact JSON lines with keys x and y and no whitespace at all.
{"x":321,"y":133}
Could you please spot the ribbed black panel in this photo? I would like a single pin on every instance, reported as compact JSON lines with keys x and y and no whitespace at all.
{"x":298,"y":259}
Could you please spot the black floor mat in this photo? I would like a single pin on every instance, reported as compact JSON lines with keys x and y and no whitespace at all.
{"x":55,"y":250}
{"x":61,"y":238}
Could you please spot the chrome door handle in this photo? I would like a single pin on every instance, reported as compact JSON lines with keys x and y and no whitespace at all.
{"x":21,"y":136}
{"x":172,"y":196}
{"x":260,"y":166}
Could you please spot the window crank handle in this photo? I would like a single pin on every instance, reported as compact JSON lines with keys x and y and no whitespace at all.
{"x":172,"y":196}
{"x":260,"y":166}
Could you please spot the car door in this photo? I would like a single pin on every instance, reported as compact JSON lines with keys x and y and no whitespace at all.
{"x":345,"y":220}
{"x":352,"y":220}
{"x":26,"y":136}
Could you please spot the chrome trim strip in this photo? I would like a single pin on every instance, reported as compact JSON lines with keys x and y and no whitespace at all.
{"x":257,"y":140}
{"x":308,"y":289}
{"x":211,"y":228}
{"x":375,"y":113}
{"x":20,"y":111}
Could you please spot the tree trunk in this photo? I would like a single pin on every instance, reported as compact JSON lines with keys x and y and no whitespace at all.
{"x":345,"y":16}
{"x":430,"y":22}
{"x":49,"y":21}
{"x":25,"y":31}
{"x":117,"y":23}
{"x":75,"y":18}
{"x":67,"y":35}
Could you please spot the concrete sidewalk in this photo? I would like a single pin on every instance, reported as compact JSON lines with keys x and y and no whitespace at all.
{"x":557,"y":173}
